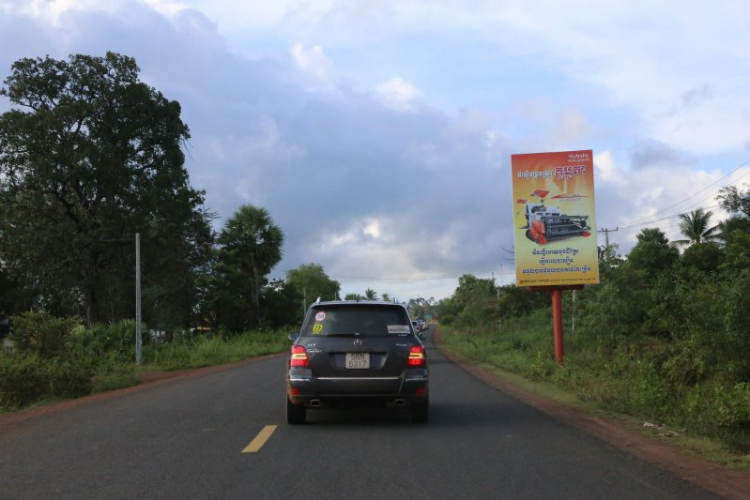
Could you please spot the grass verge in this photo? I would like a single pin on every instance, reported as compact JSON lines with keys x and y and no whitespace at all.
{"x":27,"y":380}
{"x":521,"y":360}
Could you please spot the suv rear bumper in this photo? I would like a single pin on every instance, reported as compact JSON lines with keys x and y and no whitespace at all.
{"x":310,"y":391}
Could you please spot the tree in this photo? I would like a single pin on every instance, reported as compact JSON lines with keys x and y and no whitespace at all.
{"x":695,"y":227}
{"x":311,"y":281}
{"x":250,"y":248}
{"x":735,"y":234}
{"x":700,"y":260}
{"x":90,"y":155}
{"x":353,"y":296}
{"x":732,"y":199}
{"x":371,"y":294}
{"x":386,"y":297}
{"x":420,"y":307}
{"x":470,"y":288}
{"x":281,"y":305}
{"x":653,"y":254}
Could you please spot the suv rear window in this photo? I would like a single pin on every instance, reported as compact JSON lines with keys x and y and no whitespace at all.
{"x":365,"y":320}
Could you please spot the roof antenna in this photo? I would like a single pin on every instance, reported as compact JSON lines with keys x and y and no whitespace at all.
{"x":318,"y":301}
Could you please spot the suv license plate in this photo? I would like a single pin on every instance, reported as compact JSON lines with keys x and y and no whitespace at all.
{"x":357,"y":360}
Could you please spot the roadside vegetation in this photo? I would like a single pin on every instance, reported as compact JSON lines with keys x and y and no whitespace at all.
{"x":90,"y":156}
{"x":55,"y":358}
{"x":665,"y":337}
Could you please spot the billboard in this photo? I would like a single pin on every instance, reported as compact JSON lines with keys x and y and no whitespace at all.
{"x":553,"y":218}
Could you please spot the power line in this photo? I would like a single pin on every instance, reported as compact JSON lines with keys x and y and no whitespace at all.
{"x":640,"y":224}
{"x":702,"y":190}
{"x":653,"y":221}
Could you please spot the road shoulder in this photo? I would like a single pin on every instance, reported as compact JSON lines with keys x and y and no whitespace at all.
{"x":709,"y":476}
{"x":9,"y":421}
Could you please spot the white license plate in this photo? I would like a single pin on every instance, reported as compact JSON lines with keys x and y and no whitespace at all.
{"x":357,"y":360}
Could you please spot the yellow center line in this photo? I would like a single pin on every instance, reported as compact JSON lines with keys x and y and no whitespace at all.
{"x":263,"y":436}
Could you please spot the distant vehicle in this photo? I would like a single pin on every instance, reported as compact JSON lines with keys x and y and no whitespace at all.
{"x":422,"y":325}
{"x":356,"y":353}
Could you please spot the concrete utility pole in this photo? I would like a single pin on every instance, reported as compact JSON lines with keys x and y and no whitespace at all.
{"x":138,"y":336}
{"x":606,"y":235}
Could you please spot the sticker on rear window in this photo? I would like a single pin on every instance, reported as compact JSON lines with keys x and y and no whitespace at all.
{"x":317,"y":329}
{"x":320,"y":316}
{"x":398,"y":329}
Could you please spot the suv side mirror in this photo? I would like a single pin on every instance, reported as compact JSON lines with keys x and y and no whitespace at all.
{"x":421,"y":336}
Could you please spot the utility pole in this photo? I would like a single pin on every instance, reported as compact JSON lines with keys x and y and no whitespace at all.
{"x":138,"y":336}
{"x":606,"y":235}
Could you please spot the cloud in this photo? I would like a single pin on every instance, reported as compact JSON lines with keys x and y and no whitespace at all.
{"x":698,"y":95}
{"x":646,"y":153}
{"x":312,"y":61}
{"x":364,"y":171}
{"x":631,"y":200}
{"x":398,"y":94}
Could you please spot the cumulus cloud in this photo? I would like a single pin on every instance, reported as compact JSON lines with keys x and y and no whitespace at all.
{"x":652,"y":196}
{"x":312,"y":61}
{"x":645,"y":153}
{"x":372,"y":178}
{"x":398,"y":94}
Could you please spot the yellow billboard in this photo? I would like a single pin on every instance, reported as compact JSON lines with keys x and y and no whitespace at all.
{"x":553,"y":218}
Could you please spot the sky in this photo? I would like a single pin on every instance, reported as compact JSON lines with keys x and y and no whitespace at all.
{"x":378,"y":134}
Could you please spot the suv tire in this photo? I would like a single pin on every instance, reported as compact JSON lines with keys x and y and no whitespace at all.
{"x":420,"y":411}
{"x":295,"y":414}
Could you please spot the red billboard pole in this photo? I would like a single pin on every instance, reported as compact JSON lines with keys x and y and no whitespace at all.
{"x":557,"y":317}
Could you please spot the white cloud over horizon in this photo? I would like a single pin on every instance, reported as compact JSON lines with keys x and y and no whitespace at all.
{"x":379,"y":136}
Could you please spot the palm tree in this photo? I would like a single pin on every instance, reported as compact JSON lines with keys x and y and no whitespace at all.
{"x":695,"y":227}
{"x":251,"y":248}
{"x":370,"y":294}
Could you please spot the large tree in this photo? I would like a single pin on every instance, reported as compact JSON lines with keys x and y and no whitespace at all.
{"x":311,"y":281}
{"x":90,"y":155}
{"x":250,"y":247}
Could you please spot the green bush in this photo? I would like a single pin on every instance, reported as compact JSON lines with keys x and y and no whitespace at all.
{"x":207,"y":351}
{"x":447,"y":319}
{"x":23,"y":379}
{"x":41,"y":333}
{"x":55,"y":360}
{"x":720,"y":411}
{"x":116,"y":337}
{"x":26,"y":378}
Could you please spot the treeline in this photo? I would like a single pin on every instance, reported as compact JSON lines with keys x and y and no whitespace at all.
{"x":90,"y":156}
{"x":665,"y":336}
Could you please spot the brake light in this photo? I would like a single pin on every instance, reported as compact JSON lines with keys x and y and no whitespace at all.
{"x":417,"y":356}
{"x":298,"y":357}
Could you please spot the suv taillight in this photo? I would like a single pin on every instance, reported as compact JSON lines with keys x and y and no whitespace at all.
{"x":298,"y":357}
{"x":417,"y":356}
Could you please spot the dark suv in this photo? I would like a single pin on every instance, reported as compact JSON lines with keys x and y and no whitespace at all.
{"x":353,"y":352}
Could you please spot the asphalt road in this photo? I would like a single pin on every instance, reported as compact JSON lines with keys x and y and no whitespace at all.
{"x":213,"y":436}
